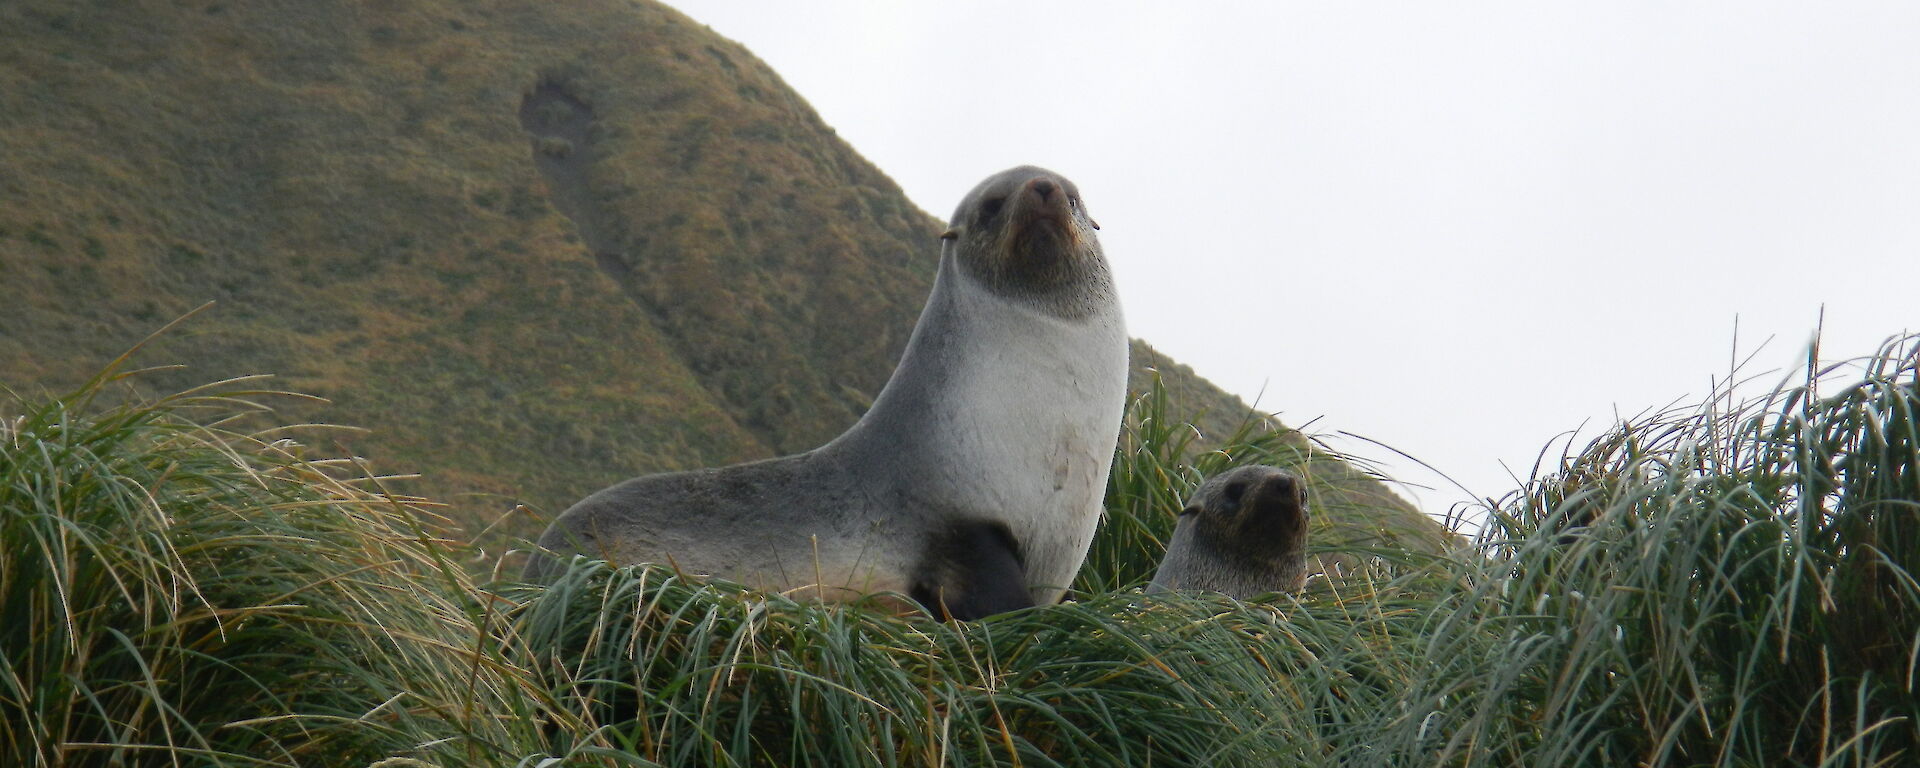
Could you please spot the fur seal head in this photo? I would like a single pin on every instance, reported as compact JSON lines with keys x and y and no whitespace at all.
{"x":1243,"y":532}
{"x":1025,"y":234}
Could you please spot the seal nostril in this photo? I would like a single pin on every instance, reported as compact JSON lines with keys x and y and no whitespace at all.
{"x":1044,"y":187}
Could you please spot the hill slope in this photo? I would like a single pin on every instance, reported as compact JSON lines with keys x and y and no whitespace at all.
{"x":541,"y":247}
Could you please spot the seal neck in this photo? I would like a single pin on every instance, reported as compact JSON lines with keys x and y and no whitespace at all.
{"x":986,"y":376}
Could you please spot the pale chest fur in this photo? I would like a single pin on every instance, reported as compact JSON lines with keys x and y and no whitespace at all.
{"x":1033,"y":446}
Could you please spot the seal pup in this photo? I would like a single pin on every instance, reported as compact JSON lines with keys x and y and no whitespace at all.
{"x":972,"y":485}
{"x":1243,"y":532}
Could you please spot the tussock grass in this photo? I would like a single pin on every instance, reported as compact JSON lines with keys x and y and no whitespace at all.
{"x":695,"y":673}
{"x":700,"y":673}
{"x":1727,"y":585}
{"x":178,"y":590}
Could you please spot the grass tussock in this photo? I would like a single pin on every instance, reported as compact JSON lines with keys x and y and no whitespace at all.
{"x":1732,"y":584}
{"x":1729,"y":585}
{"x":179,"y":590}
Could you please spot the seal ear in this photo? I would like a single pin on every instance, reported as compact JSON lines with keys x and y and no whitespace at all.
{"x":953,"y":233}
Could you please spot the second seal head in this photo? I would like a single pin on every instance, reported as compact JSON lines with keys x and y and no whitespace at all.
{"x":1243,"y":533}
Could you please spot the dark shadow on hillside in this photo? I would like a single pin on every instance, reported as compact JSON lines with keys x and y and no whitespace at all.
{"x":561,"y":124}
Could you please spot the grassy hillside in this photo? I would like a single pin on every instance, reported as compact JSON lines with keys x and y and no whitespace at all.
{"x":537,"y":247}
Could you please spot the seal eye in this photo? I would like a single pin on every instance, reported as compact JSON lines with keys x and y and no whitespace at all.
{"x":990,"y":208}
{"x":1235,"y":491}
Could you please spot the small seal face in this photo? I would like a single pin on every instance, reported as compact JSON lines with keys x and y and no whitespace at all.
{"x":1243,"y":532}
{"x":1025,"y":233}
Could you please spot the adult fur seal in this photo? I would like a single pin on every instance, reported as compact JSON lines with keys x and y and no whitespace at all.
{"x":1244,"y":533}
{"x":974,"y":482}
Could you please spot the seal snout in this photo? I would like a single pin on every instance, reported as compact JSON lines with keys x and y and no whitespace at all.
{"x":1279,"y":494}
{"x":1266,"y":499}
{"x":1281,"y":488}
{"x":1043,"y":198}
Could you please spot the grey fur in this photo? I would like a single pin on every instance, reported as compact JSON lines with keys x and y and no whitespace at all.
{"x":1244,"y":533}
{"x":1004,"y":409}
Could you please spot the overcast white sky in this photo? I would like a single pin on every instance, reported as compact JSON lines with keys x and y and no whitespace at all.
{"x":1457,"y":228}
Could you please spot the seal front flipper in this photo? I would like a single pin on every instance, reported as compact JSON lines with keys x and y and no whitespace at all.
{"x":970,"y":570}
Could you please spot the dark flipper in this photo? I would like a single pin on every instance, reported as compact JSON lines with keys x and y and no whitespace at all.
{"x":972,"y":570}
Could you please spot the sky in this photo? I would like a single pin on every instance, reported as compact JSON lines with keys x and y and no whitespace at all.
{"x":1462,"y":230}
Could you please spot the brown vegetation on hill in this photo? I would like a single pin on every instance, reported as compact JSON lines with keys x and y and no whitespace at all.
{"x":536,"y":247}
